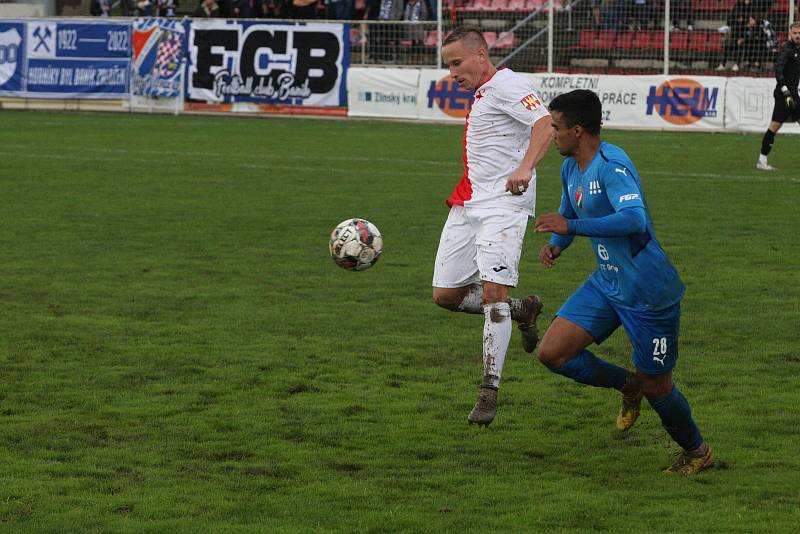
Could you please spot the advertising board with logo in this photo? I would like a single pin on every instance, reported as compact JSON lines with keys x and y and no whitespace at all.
{"x":646,"y":101}
{"x":65,"y":59}
{"x":442,"y":98}
{"x":382,"y":92}
{"x":282,"y":63}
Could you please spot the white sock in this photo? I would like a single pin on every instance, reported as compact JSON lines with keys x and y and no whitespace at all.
{"x":473,"y":300}
{"x":496,"y":335}
{"x":762,"y":158}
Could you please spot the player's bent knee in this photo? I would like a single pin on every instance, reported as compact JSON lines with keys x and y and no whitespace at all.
{"x":549,"y":355}
{"x":446,"y":299}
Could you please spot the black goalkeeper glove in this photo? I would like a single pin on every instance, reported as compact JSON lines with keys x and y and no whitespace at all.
{"x":791,"y":105}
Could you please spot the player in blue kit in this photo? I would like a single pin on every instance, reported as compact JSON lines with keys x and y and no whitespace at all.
{"x":635,"y":284}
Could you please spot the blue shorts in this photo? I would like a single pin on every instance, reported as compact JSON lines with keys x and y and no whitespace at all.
{"x":653,"y":334}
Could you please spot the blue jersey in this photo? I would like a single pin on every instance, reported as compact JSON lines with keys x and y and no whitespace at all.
{"x":633,"y":270}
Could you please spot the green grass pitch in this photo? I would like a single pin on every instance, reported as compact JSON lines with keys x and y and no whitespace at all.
{"x":179,"y":354}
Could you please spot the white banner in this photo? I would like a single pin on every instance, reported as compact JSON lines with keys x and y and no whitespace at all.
{"x":382,"y":92}
{"x":748,"y":107}
{"x":267,"y":63}
{"x":651,"y":102}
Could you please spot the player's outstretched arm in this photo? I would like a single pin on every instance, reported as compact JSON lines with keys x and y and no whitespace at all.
{"x":541,"y":137}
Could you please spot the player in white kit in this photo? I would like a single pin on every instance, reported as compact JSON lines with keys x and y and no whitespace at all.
{"x":507,"y":132}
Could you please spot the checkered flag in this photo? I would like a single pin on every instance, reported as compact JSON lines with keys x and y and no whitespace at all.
{"x":168,"y":54}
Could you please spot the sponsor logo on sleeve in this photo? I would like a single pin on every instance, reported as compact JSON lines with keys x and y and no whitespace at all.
{"x":631,"y":196}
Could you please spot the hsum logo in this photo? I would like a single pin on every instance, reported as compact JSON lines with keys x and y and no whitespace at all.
{"x":682,"y":101}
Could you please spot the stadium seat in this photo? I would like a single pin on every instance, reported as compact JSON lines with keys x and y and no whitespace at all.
{"x":490,"y":37}
{"x":477,"y":5}
{"x":517,"y":5}
{"x":781,"y":6}
{"x":585,"y":40}
{"x":714,"y":43}
{"x":625,"y":40}
{"x":497,"y":5}
{"x":505,"y":40}
{"x":641,"y":41}
{"x":679,"y":41}
{"x":431,"y":39}
{"x":657,"y":40}
{"x":533,"y":5}
{"x":698,"y":42}
{"x":605,"y":40}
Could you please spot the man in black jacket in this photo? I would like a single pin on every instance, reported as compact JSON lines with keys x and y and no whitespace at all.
{"x":787,"y":74}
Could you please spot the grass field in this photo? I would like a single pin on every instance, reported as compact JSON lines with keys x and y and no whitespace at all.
{"x":179,"y":354}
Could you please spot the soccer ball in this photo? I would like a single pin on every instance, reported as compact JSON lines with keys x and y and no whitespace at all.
{"x":356,"y":244}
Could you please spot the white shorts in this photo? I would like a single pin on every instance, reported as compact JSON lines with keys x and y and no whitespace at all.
{"x":480,"y":244}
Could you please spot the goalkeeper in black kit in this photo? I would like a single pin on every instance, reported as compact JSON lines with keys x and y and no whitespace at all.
{"x":787,"y":101}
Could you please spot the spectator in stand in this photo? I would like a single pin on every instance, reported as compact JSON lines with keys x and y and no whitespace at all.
{"x":241,"y":9}
{"x":339,"y":9}
{"x":266,"y":9}
{"x":681,"y":10}
{"x":733,"y":48}
{"x":382,"y":35}
{"x":301,"y":9}
{"x":416,"y":11}
{"x":207,"y":9}
{"x":640,"y":15}
{"x":144,"y":8}
{"x":166,"y":8}
{"x":100,"y":8}
{"x":760,"y":42}
{"x":606,"y":14}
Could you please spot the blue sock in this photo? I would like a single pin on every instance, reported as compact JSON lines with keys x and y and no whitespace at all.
{"x":676,"y":416}
{"x":587,"y":368}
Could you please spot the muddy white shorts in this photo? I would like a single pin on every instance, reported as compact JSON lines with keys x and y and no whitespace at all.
{"x":480,"y":244}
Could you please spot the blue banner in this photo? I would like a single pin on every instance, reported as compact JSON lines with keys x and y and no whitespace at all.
{"x":158,"y":56}
{"x":53,"y":59}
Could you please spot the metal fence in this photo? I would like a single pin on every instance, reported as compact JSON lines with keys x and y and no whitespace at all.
{"x":731,"y":37}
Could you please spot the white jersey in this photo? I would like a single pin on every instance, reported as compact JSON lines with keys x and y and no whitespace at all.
{"x":496,"y":137}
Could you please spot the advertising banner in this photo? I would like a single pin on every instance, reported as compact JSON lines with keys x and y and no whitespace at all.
{"x":748,"y":107}
{"x":442,"y":99}
{"x":65,"y":59}
{"x":158,"y":56}
{"x":278,"y":63}
{"x":382,"y":92}
{"x":683,"y":103}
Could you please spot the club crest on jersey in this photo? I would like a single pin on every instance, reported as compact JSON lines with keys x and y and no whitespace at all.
{"x":530,"y":102}
{"x":579,"y":196}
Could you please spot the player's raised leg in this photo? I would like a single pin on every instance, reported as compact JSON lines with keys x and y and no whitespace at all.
{"x":564,"y":352}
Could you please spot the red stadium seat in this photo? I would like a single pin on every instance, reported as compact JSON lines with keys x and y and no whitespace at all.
{"x":781,"y":6}
{"x":605,"y":40}
{"x":714,"y":42}
{"x":505,"y":40}
{"x":679,"y":41}
{"x":585,"y":40}
{"x":477,"y":5}
{"x":698,"y":42}
{"x":490,"y":37}
{"x":533,"y":5}
{"x":497,"y":5}
{"x":641,"y":41}
{"x":657,"y":40}
{"x":431,"y":39}
{"x":517,"y":5}
{"x":625,"y":40}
